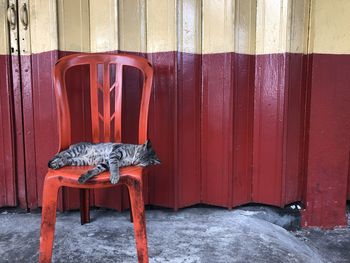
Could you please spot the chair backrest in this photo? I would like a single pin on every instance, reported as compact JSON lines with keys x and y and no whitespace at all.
{"x":108,"y":116}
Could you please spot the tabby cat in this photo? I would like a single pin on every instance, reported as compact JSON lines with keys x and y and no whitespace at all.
{"x":106,"y":157}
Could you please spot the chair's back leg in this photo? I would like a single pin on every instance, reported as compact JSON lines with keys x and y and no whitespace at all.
{"x":84,"y":206}
{"x":48,"y":220}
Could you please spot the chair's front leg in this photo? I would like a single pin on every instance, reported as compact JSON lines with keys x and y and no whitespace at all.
{"x":48,"y":219}
{"x":138,"y":212}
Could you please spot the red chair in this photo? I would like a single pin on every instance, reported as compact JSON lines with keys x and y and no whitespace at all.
{"x":68,"y":176}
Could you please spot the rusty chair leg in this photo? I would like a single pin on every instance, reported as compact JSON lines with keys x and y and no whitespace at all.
{"x":84,"y":206}
{"x":138,"y":212}
{"x":48,"y":220}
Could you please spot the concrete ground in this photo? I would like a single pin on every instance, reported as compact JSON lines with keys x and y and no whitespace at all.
{"x":198,"y":234}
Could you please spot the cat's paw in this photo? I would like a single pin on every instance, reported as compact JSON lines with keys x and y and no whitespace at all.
{"x":82,"y":179}
{"x":56,"y":163}
{"x":114,"y":178}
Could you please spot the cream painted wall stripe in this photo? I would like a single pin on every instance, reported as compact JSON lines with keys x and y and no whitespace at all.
{"x":217,"y":26}
{"x":161,"y":25}
{"x":4,"y":41}
{"x":103,"y":25}
{"x":245,"y":24}
{"x":330,"y":27}
{"x":42,"y":26}
{"x":271,"y":26}
{"x":194,"y":26}
{"x":189,"y":26}
{"x":132,"y":25}
{"x":299,"y":26}
{"x":74,"y":25}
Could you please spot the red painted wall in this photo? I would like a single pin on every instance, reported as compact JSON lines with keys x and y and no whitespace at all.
{"x":295,"y":128}
{"x":14,"y":75}
{"x":279,"y":116}
{"x":243,"y":109}
{"x":188,"y":161}
{"x":162,"y":125}
{"x":229,"y":128}
{"x":8,"y":193}
{"x":217,"y":128}
{"x":269,"y":123}
{"x":329,"y":141}
{"x":39,"y":115}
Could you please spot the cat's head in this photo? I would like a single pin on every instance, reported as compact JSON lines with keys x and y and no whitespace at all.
{"x":147,"y":155}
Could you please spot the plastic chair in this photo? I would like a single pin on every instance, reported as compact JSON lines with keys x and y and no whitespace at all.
{"x":68,"y":176}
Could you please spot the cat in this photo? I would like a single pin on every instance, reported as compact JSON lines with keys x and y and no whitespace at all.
{"x":106,"y":156}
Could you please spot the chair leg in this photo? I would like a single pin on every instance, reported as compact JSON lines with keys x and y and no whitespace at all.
{"x":138,"y":211}
{"x":131,"y":219}
{"x":48,"y":220}
{"x":84,"y":206}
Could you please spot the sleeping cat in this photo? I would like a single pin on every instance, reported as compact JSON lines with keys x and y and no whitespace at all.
{"x":106,"y":157}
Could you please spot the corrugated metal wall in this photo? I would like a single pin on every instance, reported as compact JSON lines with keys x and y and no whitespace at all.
{"x":250,"y":99}
{"x":8,"y":193}
{"x":328,"y":173}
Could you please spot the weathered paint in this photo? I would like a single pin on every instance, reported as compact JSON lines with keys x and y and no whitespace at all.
{"x":67,"y":176}
{"x":131,"y":177}
{"x":229,"y":96}
{"x":329,"y":139}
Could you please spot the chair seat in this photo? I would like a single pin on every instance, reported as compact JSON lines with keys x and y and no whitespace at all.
{"x":69,"y":175}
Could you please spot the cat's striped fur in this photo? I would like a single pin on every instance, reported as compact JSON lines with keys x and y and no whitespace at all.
{"x":106,"y":157}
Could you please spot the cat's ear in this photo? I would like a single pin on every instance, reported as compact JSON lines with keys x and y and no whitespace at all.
{"x":148,"y":144}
